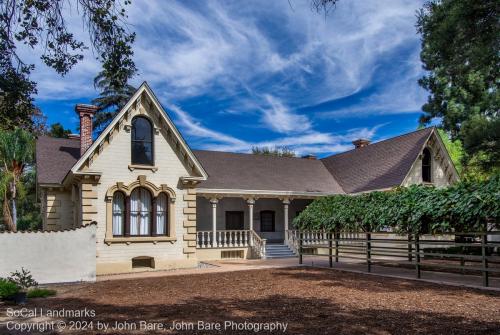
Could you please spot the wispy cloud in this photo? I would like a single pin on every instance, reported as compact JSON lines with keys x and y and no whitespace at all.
{"x":279,"y":118}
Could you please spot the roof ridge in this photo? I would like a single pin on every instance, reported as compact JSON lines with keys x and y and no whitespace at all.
{"x":252,"y":154}
{"x":379,"y":142}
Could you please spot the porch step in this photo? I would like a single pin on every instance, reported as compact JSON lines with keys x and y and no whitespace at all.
{"x":278,"y":251}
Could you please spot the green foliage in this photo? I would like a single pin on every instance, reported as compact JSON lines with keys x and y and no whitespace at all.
{"x":23,"y":279}
{"x":57,"y":130}
{"x":114,"y":94}
{"x":7,"y":288}
{"x":43,"y":23}
{"x":41,"y":293}
{"x":466,"y":206}
{"x":461,"y":52}
{"x":276,"y":151}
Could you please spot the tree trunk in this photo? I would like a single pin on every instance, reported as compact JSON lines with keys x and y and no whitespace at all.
{"x":7,"y":219}
{"x":13,"y":191}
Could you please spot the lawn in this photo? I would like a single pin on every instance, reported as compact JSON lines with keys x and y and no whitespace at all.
{"x":310,"y":300}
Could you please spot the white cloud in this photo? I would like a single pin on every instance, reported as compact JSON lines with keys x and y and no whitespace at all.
{"x":280,"y":119}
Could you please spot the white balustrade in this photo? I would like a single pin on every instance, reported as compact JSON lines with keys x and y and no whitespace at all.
{"x":224,"y":239}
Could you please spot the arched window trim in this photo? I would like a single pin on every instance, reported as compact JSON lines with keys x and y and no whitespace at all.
{"x":170,"y":233}
{"x":133,"y":141}
{"x":427,"y":165}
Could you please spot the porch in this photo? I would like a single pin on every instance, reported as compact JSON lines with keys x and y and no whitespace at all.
{"x":243,"y":226}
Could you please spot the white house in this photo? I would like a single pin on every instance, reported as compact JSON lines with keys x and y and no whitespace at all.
{"x":159,"y":204}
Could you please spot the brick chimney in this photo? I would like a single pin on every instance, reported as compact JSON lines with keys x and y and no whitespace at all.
{"x":86,"y":114}
{"x":362,"y":142}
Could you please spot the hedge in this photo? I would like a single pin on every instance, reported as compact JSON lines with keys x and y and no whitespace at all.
{"x":467,"y":206}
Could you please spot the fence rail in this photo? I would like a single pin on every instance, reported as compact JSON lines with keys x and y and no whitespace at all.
{"x":463,"y":252}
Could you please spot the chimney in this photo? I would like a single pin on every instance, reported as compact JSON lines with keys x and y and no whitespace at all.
{"x":86,"y":114}
{"x":310,"y":156}
{"x":362,"y":142}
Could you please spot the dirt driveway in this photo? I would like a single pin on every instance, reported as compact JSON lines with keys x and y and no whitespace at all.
{"x":306,"y":300}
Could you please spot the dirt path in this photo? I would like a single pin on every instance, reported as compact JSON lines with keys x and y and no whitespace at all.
{"x":307,"y":300}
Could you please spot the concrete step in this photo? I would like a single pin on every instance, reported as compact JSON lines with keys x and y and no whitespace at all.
{"x":278,"y":251}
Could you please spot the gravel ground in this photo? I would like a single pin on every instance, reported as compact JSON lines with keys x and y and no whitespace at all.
{"x":311,"y":301}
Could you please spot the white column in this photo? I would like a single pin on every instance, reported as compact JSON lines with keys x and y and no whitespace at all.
{"x":214,"y":202}
{"x":286,"y":202}
{"x":250,"y":203}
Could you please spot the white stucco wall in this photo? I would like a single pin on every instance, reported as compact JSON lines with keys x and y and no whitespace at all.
{"x":204,"y":214}
{"x":52,"y":257}
{"x":113,"y":163}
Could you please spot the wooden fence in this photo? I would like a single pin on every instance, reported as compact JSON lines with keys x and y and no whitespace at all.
{"x":469,"y":253}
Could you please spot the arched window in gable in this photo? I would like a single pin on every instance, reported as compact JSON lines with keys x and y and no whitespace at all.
{"x":426,"y":166}
{"x":142,"y":141}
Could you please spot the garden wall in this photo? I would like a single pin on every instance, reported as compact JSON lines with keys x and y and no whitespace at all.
{"x":51,"y":256}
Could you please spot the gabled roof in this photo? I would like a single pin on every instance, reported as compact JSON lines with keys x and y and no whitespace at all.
{"x":257,"y":172}
{"x":144,"y":89}
{"x":54,"y":158}
{"x":377,"y":166}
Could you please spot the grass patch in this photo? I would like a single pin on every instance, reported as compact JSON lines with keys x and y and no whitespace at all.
{"x":41,"y":293}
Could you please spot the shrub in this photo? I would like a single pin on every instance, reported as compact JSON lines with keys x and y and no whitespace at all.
{"x":23,"y":279}
{"x":7,"y":288}
{"x":41,"y":293}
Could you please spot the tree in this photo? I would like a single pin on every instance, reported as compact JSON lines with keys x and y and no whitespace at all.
{"x":42,"y":23}
{"x":461,"y":52}
{"x":17,"y":148}
{"x":114,"y":94}
{"x":276,"y":151}
{"x":57,"y":130}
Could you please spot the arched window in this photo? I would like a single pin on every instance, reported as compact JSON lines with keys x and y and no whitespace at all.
{"x":142,"y":141}
{"x":426,"y":166}
{"x":140,"y":212}
{"x":161,"y":214}
{"x":118,"y":213}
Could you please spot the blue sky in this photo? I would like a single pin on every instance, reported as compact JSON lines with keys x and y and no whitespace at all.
{"x":233,"y":74}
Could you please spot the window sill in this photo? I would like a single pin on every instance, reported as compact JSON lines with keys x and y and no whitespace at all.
{"x":133,"y":167}
{"x":139,"y":239}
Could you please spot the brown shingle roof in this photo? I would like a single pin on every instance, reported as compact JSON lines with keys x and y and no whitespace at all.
{"x":55,"y":157}
{"x":256,"y":172}
{"x":377,"y":166}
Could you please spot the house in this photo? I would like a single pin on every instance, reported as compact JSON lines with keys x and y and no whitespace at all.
{"x":159,"y":204}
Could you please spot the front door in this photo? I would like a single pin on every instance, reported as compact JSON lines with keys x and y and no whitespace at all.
{"x":234,"y":220}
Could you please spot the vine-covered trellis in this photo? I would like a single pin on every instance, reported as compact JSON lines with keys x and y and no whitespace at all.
{"x":464,"y":207}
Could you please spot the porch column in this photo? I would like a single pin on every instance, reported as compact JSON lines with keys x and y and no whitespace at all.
{"x":250,"y":202}
{"x":214,"y":202}
{"x":286,"y":202}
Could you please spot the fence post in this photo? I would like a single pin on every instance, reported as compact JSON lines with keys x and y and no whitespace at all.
{"x":484,"y":241}
{"x":368,"y":251}
{"x":417,"y":256}
{"x":410,"y":255}
{"x":330,"y":259}
{"x":300,"y":246}
{"x":337,"y":237}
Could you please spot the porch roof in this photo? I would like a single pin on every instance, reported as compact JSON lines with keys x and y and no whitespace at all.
{"x":257,"y":172}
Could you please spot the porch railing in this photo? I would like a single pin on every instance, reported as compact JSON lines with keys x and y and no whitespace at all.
{"x":231,"y":239}
{"x":223,"y":239}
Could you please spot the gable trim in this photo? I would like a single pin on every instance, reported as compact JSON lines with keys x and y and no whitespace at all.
{"x":98,"y":142}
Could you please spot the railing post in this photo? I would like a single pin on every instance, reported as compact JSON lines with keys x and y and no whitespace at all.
{"x":368,"y":252}
{"x":337,"y":238}
{"x":330,"y":259}
{"x":301,"y":235}
{"x":484,"y":241}
{"x":263,"y":251}
{"x":417,"y":256}
{"x":410,"y":255}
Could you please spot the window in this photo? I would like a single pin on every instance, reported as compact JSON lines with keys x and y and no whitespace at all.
{"x":426,"y":166}
{"x":140,"y":212}
{"x":161,"y":214}
{"x":142,"y":141}
{"x":267,"y":221}
{"x":118,"y":213}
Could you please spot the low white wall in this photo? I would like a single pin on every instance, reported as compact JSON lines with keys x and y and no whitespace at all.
{"x":51,"y":256}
